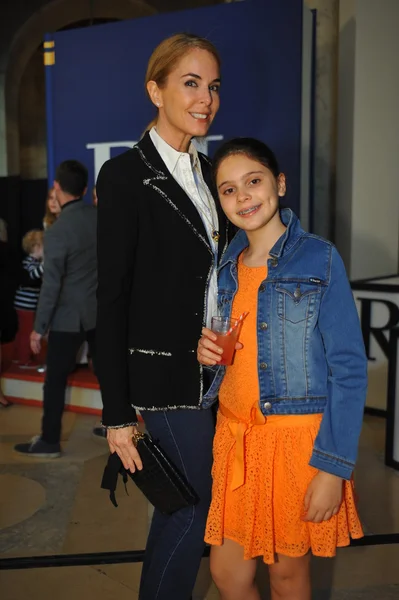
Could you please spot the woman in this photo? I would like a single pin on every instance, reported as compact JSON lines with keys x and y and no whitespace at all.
{"x":53,"y":209}
{"x":94,"y":199}
{"x":157,"y":286}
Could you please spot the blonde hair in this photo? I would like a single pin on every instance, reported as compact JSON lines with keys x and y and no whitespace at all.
{"x":49,"y":217}
{"x":168,"y":53}
{"x":32,"y":239}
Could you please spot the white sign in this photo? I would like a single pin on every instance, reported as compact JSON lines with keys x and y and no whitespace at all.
{"x":102,"y":150}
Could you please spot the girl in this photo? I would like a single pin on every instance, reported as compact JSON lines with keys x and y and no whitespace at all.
{"x":157,"y":286}
{"x":291,"y":405}
{"x":53,"y":209}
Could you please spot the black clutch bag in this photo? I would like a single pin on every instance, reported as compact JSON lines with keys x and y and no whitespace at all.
{"x":160,"y":481}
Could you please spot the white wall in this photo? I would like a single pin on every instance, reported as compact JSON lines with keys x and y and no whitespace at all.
{"x":367,"y":215}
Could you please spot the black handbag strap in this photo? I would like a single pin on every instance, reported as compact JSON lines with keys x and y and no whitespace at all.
{"x":113,"y":468}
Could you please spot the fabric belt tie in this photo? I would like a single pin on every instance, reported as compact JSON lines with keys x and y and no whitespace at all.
{"x":239,"y":429}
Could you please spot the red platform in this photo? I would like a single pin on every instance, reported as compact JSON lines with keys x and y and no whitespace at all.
{"x":24,"y":386}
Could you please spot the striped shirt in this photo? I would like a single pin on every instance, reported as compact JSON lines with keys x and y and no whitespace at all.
{"x":27,"y":294}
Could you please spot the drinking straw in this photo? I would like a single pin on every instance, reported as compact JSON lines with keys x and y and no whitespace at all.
{"x":236,"y":324}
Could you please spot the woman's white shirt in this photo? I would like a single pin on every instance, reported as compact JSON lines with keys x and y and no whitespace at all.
{"x":185,"y":168}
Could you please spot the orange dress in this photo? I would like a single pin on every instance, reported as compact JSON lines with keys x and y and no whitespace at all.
{"x":261,"y":471}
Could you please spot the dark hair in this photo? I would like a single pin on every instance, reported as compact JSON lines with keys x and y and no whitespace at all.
{"x":251,"y":148}
{"x":72,"y":177}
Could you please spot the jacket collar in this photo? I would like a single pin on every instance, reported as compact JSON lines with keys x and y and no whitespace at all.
{"x":161,"y":181}
{"x":283,"y":245}
{"x":71,"y":203}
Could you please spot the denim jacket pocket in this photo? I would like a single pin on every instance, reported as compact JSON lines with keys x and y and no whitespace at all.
{"x":297,"y":301}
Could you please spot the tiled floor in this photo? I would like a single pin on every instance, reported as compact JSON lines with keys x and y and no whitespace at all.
{"x":54,"y":507}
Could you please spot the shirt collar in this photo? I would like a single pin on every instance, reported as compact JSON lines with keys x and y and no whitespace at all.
{"x":169,"y":155}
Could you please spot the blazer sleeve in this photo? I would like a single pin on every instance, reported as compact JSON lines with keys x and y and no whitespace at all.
{"x":55,"y":252}
{"x":116,"y":244}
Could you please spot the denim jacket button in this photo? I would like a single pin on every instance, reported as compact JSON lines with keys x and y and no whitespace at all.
{"x":263,"y":326}
{"x":263,"y":366}
{"x":262,"y":288}
{"x":267,"y":405}
{"x":274,"y":261}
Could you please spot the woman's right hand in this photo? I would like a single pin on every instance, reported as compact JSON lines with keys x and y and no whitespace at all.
{"x":121,"y":442}
{"x":209,"y":353}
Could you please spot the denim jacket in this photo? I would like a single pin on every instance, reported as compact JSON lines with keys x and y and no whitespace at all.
{"x":311,"y":356}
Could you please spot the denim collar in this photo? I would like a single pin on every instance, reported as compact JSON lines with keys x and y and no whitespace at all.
{"x":283,"y":245}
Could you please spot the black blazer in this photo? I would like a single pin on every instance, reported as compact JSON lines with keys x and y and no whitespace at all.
{"x":154,"y":261}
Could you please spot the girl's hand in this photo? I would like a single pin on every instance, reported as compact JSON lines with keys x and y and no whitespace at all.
{"x":121,"y":441}
{"x":323,"y":497}
{"x":209,"y":353}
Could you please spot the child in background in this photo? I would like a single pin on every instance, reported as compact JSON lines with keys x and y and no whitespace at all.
{"x":27,"y":295}
{"x":291,"y":406}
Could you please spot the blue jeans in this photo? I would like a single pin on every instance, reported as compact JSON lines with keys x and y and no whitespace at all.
{"x":176,"y":543}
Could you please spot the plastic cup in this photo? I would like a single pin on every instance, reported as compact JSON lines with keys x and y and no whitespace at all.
{"x":221,"y":326}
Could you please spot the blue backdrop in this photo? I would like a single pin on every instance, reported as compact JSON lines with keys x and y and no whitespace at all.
{"x":96,"y":101}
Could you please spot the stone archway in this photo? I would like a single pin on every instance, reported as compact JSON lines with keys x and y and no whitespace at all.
{"x":23,"y":66}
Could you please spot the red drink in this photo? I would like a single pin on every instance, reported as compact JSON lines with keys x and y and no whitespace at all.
{"x":227,"y":336}
{"x":228,"y":343}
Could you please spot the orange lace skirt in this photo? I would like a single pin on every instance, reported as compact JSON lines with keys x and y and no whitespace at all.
{"x":260,"y":477}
